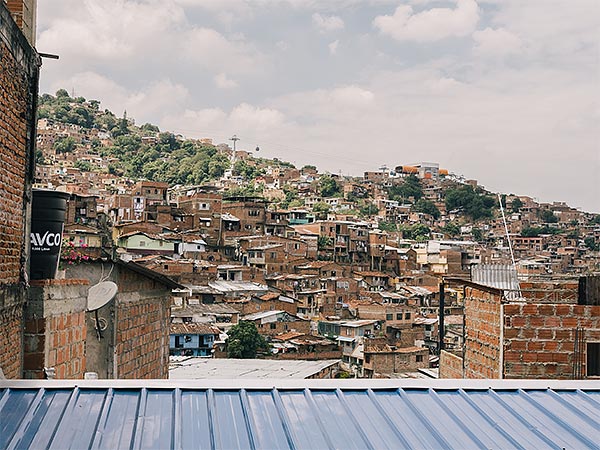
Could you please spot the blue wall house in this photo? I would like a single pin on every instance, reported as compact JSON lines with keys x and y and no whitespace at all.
{"x":192,"y":339}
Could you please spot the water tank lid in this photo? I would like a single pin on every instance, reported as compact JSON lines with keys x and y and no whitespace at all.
{"x":100,"y":294}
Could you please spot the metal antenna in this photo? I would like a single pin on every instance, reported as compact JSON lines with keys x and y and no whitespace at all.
{"x":512,"y":256}
{"x":233,"y":138}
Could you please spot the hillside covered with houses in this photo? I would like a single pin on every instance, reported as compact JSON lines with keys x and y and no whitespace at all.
{"x":326,"y":266}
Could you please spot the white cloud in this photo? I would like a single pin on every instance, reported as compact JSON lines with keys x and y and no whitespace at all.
{"x":327,"y":23}
{"x":352,"y":95}
{"x":496,"y":42}
{"x":333,"y":46}
{"x":223,"y":82}
{"x":144,"y":104}
{"x":212,"y":50}
{"x":244,"y":119}
{"x":430,"y":25}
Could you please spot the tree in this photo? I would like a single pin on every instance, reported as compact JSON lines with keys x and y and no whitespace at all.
{"x":62,"y":93}
{"x":516,"y":204}
{"x":324,"y":242}
{"x":84,"y":166}
{"x":65,"y":144}
{"x":328,"y":186}
{"x":321,"y":209}
{"x":390,"y":227}
{"x":548,"y":216}
{"x":477,"y":234}
{"x":471,"y":202}
{"x":590,"y":242}
{"x":427,"y":207}
{"x":410,"y":188}
{"x":243,"y":341}
{"x":452,"y":229}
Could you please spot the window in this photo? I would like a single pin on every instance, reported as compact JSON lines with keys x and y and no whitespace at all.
{"x":142,"y":243}
{"x":419,"y":358}
{"x":389,"y":317}
{"x":593,"y":359}
{"x":254,"y":212}
{"x":273,"y":326}
{"x":407,"y":316}
{"x":399,"y":316}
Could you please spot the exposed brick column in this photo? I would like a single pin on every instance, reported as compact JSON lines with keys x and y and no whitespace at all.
{"x":55,"y":328}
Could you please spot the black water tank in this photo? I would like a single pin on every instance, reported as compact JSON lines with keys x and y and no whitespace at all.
{"x":47,"y":220}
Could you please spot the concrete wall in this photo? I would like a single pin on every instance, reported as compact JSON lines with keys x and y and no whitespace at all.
{"x":18,"y":94}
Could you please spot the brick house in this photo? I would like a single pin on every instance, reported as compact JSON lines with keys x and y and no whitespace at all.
{"x":271,"y":323}
{"x":19,"y":73}
{"x":383,"y":360}
{"x":134,"y":340}
{"x":551,"y":337}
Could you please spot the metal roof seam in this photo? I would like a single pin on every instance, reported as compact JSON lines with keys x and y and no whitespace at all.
{"x":557,"y":420}
{"x":521,"y":419}
{"x":248,"y":419}
{"x":102,"y":418}
{"x":311,"y":401}
{"x":438,"y":437}
{"x":20,"y":433}
{"x":177,"y":429}
{"x":455,"y":418}
{"x":355,"y":421}
{"x":491,"y":421}
{"x":138,"y":427}
{"x":285,"y":420}
{"x":574,"y":410}
{"x":391,"y":424}
{"x":211,"y":404}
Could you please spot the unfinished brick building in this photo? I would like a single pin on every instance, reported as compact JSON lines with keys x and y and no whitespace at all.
{"x":544,"y":336}
{"x":19,"y":69}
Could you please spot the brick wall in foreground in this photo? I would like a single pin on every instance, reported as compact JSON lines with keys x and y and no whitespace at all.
{"x":482,"y":329}
{"x":18,"y":91}
{"x":539,"y":339}
{"x":55,"y":329}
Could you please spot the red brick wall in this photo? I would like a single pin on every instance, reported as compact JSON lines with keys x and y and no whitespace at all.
{"x":11,"y":348}
{"x":142,"y":328}
{"x":301,"y":326}
{"x":55,"y":330}
{"x":539,"y":339}
{"x":482,"y":340}
{"x":18,"y":89}
{"x":451,"y":365}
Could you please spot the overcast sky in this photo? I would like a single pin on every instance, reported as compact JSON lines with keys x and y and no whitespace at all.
{"x":504,"y":91}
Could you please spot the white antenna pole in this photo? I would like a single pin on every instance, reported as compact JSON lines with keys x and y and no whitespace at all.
{"x":234,"y":138}
{"x":512,"y":256}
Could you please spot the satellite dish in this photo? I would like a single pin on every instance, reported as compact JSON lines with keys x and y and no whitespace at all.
{"x":100,"y":294}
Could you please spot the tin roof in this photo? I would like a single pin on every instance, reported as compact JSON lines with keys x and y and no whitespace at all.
{"x":300,"y":414}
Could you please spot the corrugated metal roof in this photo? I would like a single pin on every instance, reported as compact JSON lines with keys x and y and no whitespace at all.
{"x":499,"y":276}
{"x":322,"y":415}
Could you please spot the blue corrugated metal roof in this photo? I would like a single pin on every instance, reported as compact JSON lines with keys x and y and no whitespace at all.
{"x":309,"y":415}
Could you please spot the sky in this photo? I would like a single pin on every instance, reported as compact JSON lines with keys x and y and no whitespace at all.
{"x":503,"y":91}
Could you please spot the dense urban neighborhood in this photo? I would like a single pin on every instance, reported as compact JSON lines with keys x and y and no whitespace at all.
{"x":325,"y":266}
{"x":159,"y":291}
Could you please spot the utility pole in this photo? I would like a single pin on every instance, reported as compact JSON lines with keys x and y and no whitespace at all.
{"x":233,"y":138}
